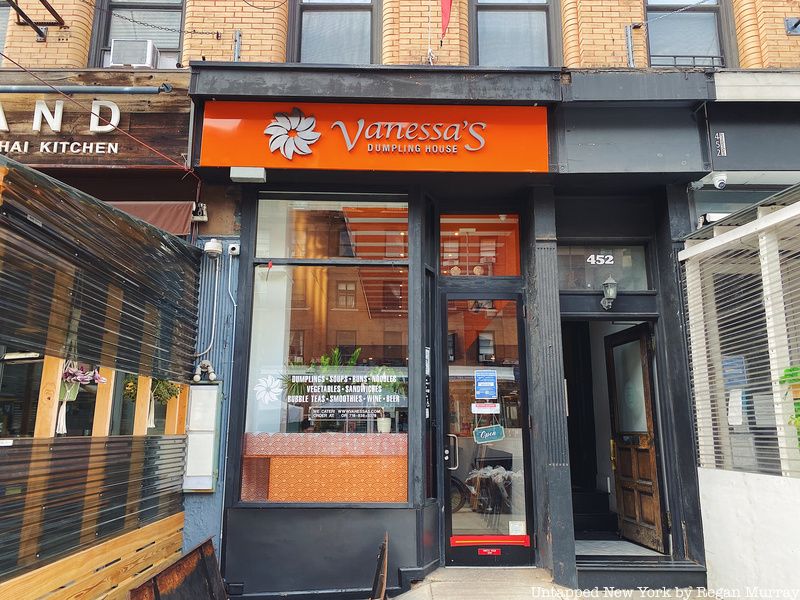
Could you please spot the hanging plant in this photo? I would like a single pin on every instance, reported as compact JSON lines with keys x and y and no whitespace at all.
{"x":162,"y":390}
{"x":791,"y":378}
{"x":74,"y":377}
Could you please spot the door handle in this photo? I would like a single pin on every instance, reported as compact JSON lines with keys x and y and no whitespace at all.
{"x":455,"y":451}
{"x":613,"y":447}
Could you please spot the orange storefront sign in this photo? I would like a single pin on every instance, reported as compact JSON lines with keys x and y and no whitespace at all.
{"x":379,"y":137}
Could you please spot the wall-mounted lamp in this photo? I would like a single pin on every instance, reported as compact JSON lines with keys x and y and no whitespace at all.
{"x":248,"y":174}
{"x":609,"y":293}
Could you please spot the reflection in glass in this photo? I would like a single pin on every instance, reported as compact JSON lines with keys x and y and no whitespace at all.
{"x":80,"y":404}
{"x":306,"y":346}
{"x":159,"y":419}
{"x":322,"y":229}
{"x":512,"y":38}
{"x":683,"y":39}
{"x":491,"y":475}
{"x":165,"y":31}
{"x":587,"y":267}
{"x":336,"y":37}
{"x":479,"y":245}
{"x":123,"y":403}
{"x":629,"y":381}
{"x":328,"y":386}
{"x":20,"y":376}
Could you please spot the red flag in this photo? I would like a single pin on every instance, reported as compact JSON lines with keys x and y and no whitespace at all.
{"x":446,"y":5}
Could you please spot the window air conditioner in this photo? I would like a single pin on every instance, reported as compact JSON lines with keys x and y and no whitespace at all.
{"x":141,"y":54}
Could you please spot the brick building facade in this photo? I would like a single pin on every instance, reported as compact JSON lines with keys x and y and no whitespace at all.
{"x":569,"y":135}
{"x":582,"y":33}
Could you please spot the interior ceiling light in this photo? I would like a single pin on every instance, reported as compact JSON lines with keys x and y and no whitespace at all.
{"x":9,"y":356}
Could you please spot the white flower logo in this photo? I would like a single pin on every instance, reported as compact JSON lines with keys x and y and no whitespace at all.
{"x":293,"y":133}
{"x":268,"y":390}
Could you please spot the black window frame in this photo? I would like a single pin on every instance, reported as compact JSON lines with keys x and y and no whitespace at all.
{"x":483,"y":358}
{"x":718,"y":9}
{"x":101,"y":26}
{"x":552,"y":14}
{"x":413,"y":264}
{"x":294,"y":39}
{"x":297,"y":341}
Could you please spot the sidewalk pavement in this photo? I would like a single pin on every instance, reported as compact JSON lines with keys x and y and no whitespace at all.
{"x":484,"y":584}
{"x":512,"y":584}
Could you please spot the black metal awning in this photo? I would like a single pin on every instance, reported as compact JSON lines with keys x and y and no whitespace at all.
{"x":445,"y":84}
{"x":748,"y":214}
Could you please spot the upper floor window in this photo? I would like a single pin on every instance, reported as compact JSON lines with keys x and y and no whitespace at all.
{"x":336,"y":31}
{"x":511,"y":33}
{"x":157,"y":21}
{"x":4,"y":9}
{"x":346,"y":294}
{"x":684,"y":34}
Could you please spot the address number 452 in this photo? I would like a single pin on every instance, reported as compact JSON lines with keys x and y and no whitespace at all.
{"x":600,"y":259}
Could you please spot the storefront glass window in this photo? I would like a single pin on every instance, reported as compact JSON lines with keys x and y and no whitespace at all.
{"x":479,"y":245}
{"x":159,"y":419}
{"x":323,"y":229}
{"x":79,"y":401}
{"x":327,"y":407}
{"x":20,"y":376}
{"x":587,"y":267}
{"x":123,"y":404}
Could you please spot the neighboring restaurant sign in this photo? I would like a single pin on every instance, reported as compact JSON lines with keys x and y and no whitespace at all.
{"x":380,"y":137}
{"x":48,"y":130}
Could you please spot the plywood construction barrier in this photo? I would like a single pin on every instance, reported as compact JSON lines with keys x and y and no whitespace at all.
{"x":195,"y":575}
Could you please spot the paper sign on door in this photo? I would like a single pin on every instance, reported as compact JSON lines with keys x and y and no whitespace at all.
{"x":485,"y":408}
{"x":485,"y":384}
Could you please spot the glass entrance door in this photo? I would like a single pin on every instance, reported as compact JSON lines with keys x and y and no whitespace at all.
{"x":488,"y":518}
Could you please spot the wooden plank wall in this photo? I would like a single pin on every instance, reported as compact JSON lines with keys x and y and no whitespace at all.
{"x":108,"y":570}
{"x":162,"y":120}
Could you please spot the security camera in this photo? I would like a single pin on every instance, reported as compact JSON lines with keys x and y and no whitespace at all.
{"x":234,"y":249}
{"x":720,"y":181}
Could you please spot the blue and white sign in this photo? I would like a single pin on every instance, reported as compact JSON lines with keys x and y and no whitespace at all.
{"x":490,"y":433}
{"x":485,"y":384}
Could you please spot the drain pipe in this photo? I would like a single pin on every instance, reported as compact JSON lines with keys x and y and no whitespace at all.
{"x":212,"y":249}
{"x":233,"y":250}
{"x":86,"y":89}
{"x":629,"y":44}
